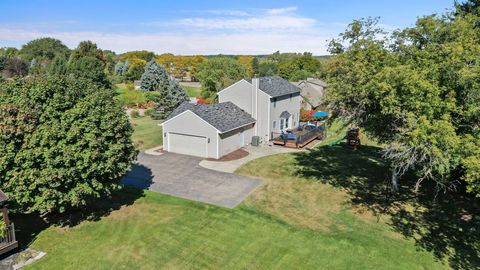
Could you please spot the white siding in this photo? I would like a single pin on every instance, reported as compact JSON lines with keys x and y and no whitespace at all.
{"x":239,"y":94}
{"x":231,"y":141}
{"x":191,"y":124}
{"x":285,"y":103}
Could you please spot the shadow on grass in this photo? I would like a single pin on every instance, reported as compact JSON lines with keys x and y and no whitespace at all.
{"x":446,"y":224}
{"x":29,"y":226}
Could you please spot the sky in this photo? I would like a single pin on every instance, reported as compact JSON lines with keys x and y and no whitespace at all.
{"x":202,"y":27}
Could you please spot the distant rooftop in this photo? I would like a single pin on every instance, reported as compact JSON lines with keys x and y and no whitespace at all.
{"x":223,"y":116}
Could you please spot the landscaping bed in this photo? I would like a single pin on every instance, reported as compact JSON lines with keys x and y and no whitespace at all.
{"x":237,"y":154}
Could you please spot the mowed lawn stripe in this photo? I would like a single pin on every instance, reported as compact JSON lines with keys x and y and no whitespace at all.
{"x":160,"y":231}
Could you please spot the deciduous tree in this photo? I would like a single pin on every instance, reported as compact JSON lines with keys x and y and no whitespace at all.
{"x":64,"y":141}
{"x":218,"y":73}
{"x":418,"y":91}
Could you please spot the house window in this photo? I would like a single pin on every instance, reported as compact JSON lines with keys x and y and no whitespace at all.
{"x":286,"y":123}
{"x":281,"y":124}
{"x":274,"y":124}
{"x":274,"y":103}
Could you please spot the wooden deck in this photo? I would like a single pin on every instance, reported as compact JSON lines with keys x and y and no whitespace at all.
{"x":299,"y":144}
{"x":8,"y":242}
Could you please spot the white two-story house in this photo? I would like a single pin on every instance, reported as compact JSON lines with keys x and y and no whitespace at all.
{"x":272,"y":101}
{"x":262,"y":107}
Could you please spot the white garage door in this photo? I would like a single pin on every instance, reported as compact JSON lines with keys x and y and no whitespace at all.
{"x":187,"y":144}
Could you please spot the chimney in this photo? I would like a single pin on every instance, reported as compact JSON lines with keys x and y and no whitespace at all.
{"x":255,"y":83}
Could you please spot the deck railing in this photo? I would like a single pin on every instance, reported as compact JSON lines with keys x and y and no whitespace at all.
{"x":8,"y":241}
{"x":301,"y":138}
{"x":315,"y":132}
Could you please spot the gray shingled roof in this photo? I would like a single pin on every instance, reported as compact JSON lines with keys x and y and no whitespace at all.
{"x":276,"y":86}
{"x":3,"y":198}
{"x":223,"y":116}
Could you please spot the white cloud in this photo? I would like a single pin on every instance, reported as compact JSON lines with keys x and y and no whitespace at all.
{"x":178,"y":43}
{"x":239,"y":20}
{"x":258,"y":31}
{"x":228,"y":12}
{"x":278,"y":11}
{"x":254,"y":23}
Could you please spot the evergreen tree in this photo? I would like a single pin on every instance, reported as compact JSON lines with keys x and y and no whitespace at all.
{"x":164,"y":107}
{"x":154,"y":77}
{"x":118,"y":69}
{"x":179,"y":95}
{"x":169,"y":100}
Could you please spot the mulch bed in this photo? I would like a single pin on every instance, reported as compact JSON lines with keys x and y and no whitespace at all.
{"x":237,"y":154}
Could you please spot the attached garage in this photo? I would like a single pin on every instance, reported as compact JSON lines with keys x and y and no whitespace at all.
{"x":187,"y":144}
{"x":210,"y":131}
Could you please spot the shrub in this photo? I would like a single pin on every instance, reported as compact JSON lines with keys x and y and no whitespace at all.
{"x":130,"y":86}
{"x":306,"y":115}
{"x":149,"y":112}
{"x":151,"y":95}
{"x":134,"y":114}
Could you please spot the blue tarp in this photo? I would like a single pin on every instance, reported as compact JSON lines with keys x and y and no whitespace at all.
{"x":320,"y":114}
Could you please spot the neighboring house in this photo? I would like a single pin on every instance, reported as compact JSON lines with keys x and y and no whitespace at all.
{"x":312,"y":92}
{"x":262,"y":107}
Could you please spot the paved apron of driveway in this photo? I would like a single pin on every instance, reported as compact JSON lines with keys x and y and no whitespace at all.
{"x":181,"y":176}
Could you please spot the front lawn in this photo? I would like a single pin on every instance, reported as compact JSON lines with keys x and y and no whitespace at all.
{"x":312,"y":213}
{"x":147,"y":133}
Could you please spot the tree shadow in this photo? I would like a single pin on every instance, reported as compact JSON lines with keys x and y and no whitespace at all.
{"x":139,"y":176}
{"x":29,"y":226}
{"x":446,"y":224}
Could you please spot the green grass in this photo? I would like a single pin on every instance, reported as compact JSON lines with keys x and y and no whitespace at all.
{"x":192,"y":91}
{"x":129,"y":98}
{"x":147,"y":133}
{"x":162,"y":232}
{"x":314,"y":211}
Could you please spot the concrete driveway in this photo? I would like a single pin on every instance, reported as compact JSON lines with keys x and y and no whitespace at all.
{"x":181,"y":176}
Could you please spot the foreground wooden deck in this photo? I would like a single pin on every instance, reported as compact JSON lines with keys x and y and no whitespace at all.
{"x":8,"y":242}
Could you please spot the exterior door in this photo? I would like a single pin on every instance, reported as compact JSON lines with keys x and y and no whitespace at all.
{"x":187,"y":144}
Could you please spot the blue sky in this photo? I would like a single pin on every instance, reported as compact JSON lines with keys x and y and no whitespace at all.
{"x":201,"y":27}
